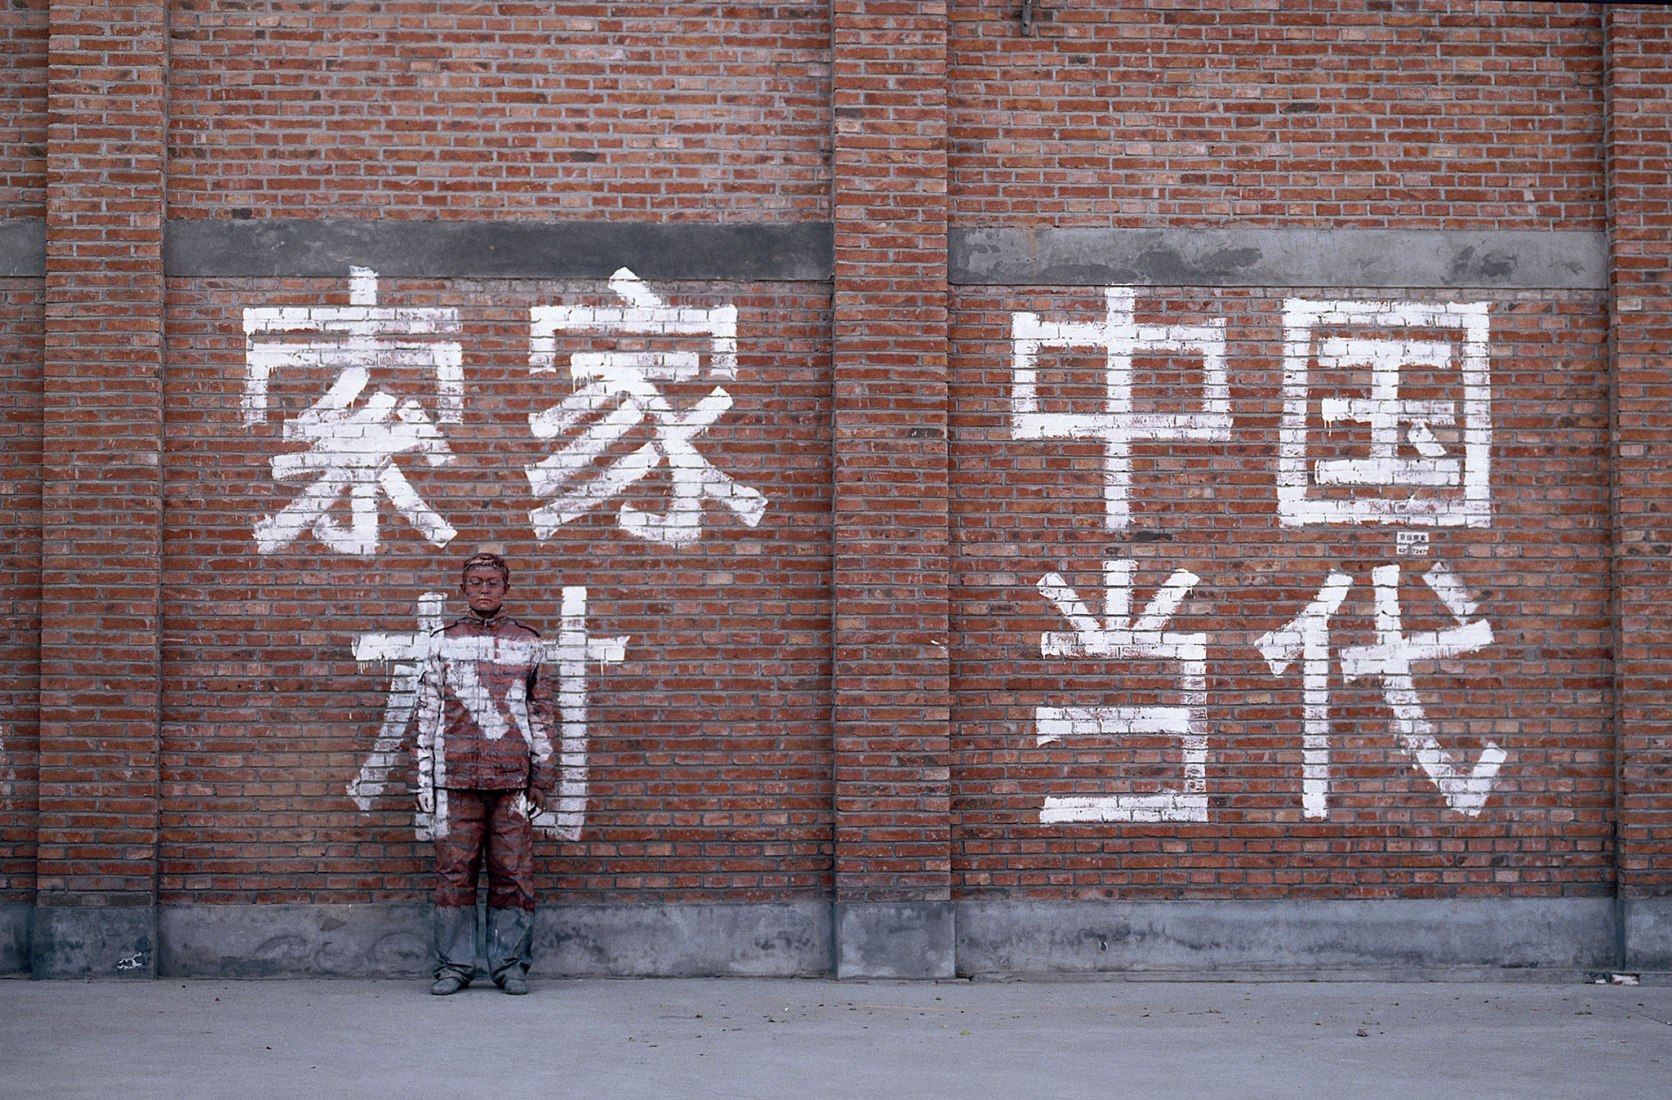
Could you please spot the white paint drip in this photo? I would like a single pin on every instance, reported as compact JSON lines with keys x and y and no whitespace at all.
{"x":1117,"y":425}
{"x":623,"y":385}
{"x":1394,"y":421}
{"x":1118,"y":637}
{"x":352,"y":453}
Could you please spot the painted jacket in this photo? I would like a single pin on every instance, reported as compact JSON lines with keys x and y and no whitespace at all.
{"x":484,"y":711}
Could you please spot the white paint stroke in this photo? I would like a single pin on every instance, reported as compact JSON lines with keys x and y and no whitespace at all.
{"x":362,"y":334}
{"x":405,"y":652}
{"x":1116,"y":425}
{"x":573,"y":653}
{"x":1465,"y":789}
{"x":351,"y":453}
{"x":624,"y":387}
{"x":1394,"y":421}
{"x":1117,"y":636}
{"x":570,"y":653}
{"x":1307,"y":636}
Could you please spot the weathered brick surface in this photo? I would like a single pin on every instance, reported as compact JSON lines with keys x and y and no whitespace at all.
{"x":1026,"y":508}
{"x":1640,"y":232}
{"x":649,"y":112}
{"x":23,"y":34}
{"x":1429,"y":114}
{"x":709,"y":743}
{"x":889,"y":353}
{"x":102,"y":436}
{"x":20,"y":580}
{"x":864,"y":683}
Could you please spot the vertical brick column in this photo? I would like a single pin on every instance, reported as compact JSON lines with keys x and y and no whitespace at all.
{"x":1639,"y":79}
{"x":102,"y":448}
{"x":893,"y":875}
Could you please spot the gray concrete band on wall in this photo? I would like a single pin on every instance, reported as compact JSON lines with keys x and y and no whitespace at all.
{"x":785,"y":251}
{"x":1553,"y":938}
{"x":804,"y":251}
{"x":1277,"y":258}
{"x":22,"y":248}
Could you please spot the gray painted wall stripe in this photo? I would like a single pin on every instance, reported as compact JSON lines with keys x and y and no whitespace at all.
{"x":804,"y":251}
{"x":499,"y":249}
{"x":22,"y":248}
{"x":1441,"y":258}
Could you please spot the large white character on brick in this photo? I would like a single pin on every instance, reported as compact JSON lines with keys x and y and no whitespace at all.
{"x":352,"y":445}
{"x":1391,"y":660}
{"x":619,"y":391}
{"x":1116,"y":636}
{"x":1116,"y":424}
{"x":1405,"y":474}
{"x":569,"y":653}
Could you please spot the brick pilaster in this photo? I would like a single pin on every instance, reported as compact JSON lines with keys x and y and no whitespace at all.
{"x":890,"y":357}
{"x":1639,"y":82}
{"x":102,"y":451}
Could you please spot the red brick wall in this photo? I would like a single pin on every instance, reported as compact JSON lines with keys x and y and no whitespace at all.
{"x":23,"y":35}
{"x":1640,"y":230}
{"x":843,"y":699}
{"x":23,"y":52}
{"x":889,"y":358}
{"x":1364,"y":114}
{"x":20,"y":580}
{"x":102,"y":431}
{"x":1026,"y":508}
{"x":710,"y":742}
{"x":649,"y":112}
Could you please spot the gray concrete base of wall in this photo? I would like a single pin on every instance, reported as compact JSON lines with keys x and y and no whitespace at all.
{"x":1555,"y":938}
{"x":896,"y":939}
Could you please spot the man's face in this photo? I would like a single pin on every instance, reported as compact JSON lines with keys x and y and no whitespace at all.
{"x":484,"y":589}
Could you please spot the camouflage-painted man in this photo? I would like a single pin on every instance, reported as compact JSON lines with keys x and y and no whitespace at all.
{"x":485,"y":764}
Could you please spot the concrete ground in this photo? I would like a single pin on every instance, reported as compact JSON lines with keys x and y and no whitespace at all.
{"x":818,"y":1038}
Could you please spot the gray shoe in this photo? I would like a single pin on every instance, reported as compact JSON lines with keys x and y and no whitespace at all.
{"x":447,"y":985}
{"x":515,"y":986}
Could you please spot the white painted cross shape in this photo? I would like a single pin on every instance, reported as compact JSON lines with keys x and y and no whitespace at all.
{"x":1116,"y":424}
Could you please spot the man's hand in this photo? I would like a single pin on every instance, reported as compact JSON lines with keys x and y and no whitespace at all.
{"x":536,"y":800}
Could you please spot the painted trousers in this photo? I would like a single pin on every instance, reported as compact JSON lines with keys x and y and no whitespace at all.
{"x":493,"y":822}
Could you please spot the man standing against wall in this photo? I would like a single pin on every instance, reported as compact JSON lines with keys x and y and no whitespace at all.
{"x":485,"y":765}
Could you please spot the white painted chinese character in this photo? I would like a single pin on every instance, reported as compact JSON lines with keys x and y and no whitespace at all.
{"x":1443,"y":487}
{"x":1391,"y":659}
{"x":567,"y":654}
{"x":352,"y":450}
{"x":618,"y":391}
{"x":352,"y":453}
{"x":1116,"y":424}
{"x":1117,"y":637}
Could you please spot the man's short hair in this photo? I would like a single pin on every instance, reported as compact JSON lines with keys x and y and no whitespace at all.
{"x":485,"y":560}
